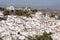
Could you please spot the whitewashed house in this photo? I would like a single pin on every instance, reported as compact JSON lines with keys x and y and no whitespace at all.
{"x":1,"y":14}
{"x":10,"y":8}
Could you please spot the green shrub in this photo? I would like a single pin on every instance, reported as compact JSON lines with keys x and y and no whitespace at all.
{"x":58,"y":17}
{"x":22,"y":13}
{"x":1,"y":39}
{"x":44,"y":14}
{"x":4,"y":18}
{"x":45,"y":36}
{"x":52,"y":15}
{"x":6,"y":13}
{"x":34,"y":11}
{"x":2,"y":9}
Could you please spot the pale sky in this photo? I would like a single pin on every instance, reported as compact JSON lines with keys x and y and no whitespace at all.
{"x":32,"y":3}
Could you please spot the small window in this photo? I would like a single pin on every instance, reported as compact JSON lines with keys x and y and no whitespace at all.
{"x":12,"y":10}
{"x":18,"y":32}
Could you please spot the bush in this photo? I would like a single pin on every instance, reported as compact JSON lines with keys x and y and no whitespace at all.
{"x":22,"y":13}
{"x":2,"y":9}
{"x":45,"y":36}
{"x":52,"y":15}
{"x":44,"y":14}
{"x":6,"y":13}
{"x":4,"y":18}
{"x":58,"y":17}
{"x":34,"y":11}
{"x":1,"y":39}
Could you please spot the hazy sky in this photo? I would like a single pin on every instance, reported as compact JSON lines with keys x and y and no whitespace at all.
{"x":32,"y":3}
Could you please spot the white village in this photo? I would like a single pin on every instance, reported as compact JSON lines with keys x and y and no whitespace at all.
{"x":20,"y":27}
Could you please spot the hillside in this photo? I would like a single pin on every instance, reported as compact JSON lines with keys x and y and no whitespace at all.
{"x":20,"y":26}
